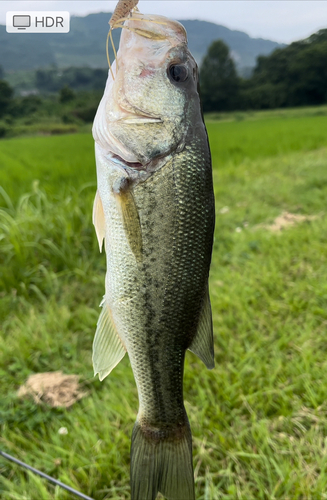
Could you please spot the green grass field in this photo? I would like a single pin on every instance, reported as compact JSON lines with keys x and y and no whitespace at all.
{"x":259,"y":419}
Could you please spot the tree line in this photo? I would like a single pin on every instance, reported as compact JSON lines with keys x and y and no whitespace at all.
{"x":72,"y":94}
{"x":292,"y":76}
{"x":53,"y":79}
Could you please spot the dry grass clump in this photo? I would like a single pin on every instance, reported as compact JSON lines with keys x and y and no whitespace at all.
{"x":53,"y":388}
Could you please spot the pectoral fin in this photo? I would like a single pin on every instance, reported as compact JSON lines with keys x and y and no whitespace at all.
{"x":108,"y":349}
{"x":202,"y":344}
{"x":98,"y":219}
{"x":131,"y":219}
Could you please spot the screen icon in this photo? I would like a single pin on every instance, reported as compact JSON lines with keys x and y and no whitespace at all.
{"x":21,"y":22}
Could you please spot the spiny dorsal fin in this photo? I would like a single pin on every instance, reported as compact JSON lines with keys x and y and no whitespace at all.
{"x":108,"y":349}
{"x":202,"y":344}
{"x":98,"y":219}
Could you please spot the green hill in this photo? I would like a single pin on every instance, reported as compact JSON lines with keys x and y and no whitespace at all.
{"x":84,"y":45}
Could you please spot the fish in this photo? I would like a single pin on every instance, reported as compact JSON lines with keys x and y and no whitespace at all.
{"x":154,"y":214}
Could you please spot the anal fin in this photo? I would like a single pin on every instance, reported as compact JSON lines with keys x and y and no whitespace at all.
{"x":202,"y":344}
{"x":108,"y":349}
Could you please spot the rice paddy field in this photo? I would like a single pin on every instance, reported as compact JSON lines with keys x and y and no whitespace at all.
{"x":259,"y":418}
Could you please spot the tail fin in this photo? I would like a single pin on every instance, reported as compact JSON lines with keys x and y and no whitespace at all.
{"x":162,"y":462}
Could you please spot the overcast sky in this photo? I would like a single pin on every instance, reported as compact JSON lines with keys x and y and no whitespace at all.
{"x":279,"y":20}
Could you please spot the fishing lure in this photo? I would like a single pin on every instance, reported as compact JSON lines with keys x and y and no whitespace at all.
{"x":124,"y":10}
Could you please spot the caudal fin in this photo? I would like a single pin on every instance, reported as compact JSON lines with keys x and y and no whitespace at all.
{"x":162,"y":462}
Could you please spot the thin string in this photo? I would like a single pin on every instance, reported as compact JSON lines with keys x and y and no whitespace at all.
{"x":114,"y":49}
{"x":107,"y":52}
{"x":45,"y":476}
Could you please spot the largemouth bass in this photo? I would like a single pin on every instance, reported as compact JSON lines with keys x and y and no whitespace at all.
{"x":154,"y":210}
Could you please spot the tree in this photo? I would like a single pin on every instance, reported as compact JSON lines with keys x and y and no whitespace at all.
{"x":308,"y":76}
{"x":218,"y":79}
{"x":66,"y":94}
{"x":6,"y":94}
{"x":293,"y":76}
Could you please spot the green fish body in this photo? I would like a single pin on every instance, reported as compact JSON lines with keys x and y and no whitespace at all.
{"x":154,"y":209}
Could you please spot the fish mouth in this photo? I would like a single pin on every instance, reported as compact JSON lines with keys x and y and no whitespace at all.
{"x":135,"y":168}
{"x":135,"y":165}
{"x":156,"y":28}
{"x":139,"y":119}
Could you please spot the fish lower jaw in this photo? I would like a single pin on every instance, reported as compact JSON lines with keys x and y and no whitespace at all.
{"x":124,"y":163}
{"x":140,"y":120}
{"x":136,"y":168}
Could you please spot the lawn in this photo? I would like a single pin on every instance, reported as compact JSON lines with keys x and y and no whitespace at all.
{"x":259,"y":418}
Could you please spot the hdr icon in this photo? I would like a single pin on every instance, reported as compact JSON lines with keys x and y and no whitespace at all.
{"x":49,"y":22}
{"x":37,"y":22}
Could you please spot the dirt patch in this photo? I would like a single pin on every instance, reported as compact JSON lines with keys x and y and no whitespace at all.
{"x":287,"y":219}
{"x":53,"y":388}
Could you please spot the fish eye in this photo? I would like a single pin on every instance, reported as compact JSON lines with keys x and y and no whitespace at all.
{"x":178,"y":72}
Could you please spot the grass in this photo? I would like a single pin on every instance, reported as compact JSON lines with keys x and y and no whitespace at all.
{"x":259,"y":419}
{"x":265,"y":137}
{"x":55,"y":161}
{"x":251,"y":115}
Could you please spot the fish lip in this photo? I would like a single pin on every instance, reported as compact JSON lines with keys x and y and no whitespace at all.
{"x":126,"y":165}
{"x":139,"y":119}
{"x":137,"y":168}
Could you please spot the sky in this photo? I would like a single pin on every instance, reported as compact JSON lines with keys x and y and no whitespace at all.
{"x":282,"y":21}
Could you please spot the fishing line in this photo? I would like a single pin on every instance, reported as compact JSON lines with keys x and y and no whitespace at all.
{"x":45,"y":476}
{"x":135,"y":30}
{"x":114,"y":49}
{"x":107,"y":52}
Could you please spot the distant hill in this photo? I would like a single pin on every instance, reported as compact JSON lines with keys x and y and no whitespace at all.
{"x":84,"y":45}
{"x":244,"y":49}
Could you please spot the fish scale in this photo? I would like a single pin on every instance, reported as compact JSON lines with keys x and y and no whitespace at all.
{"x":154,"y":209}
